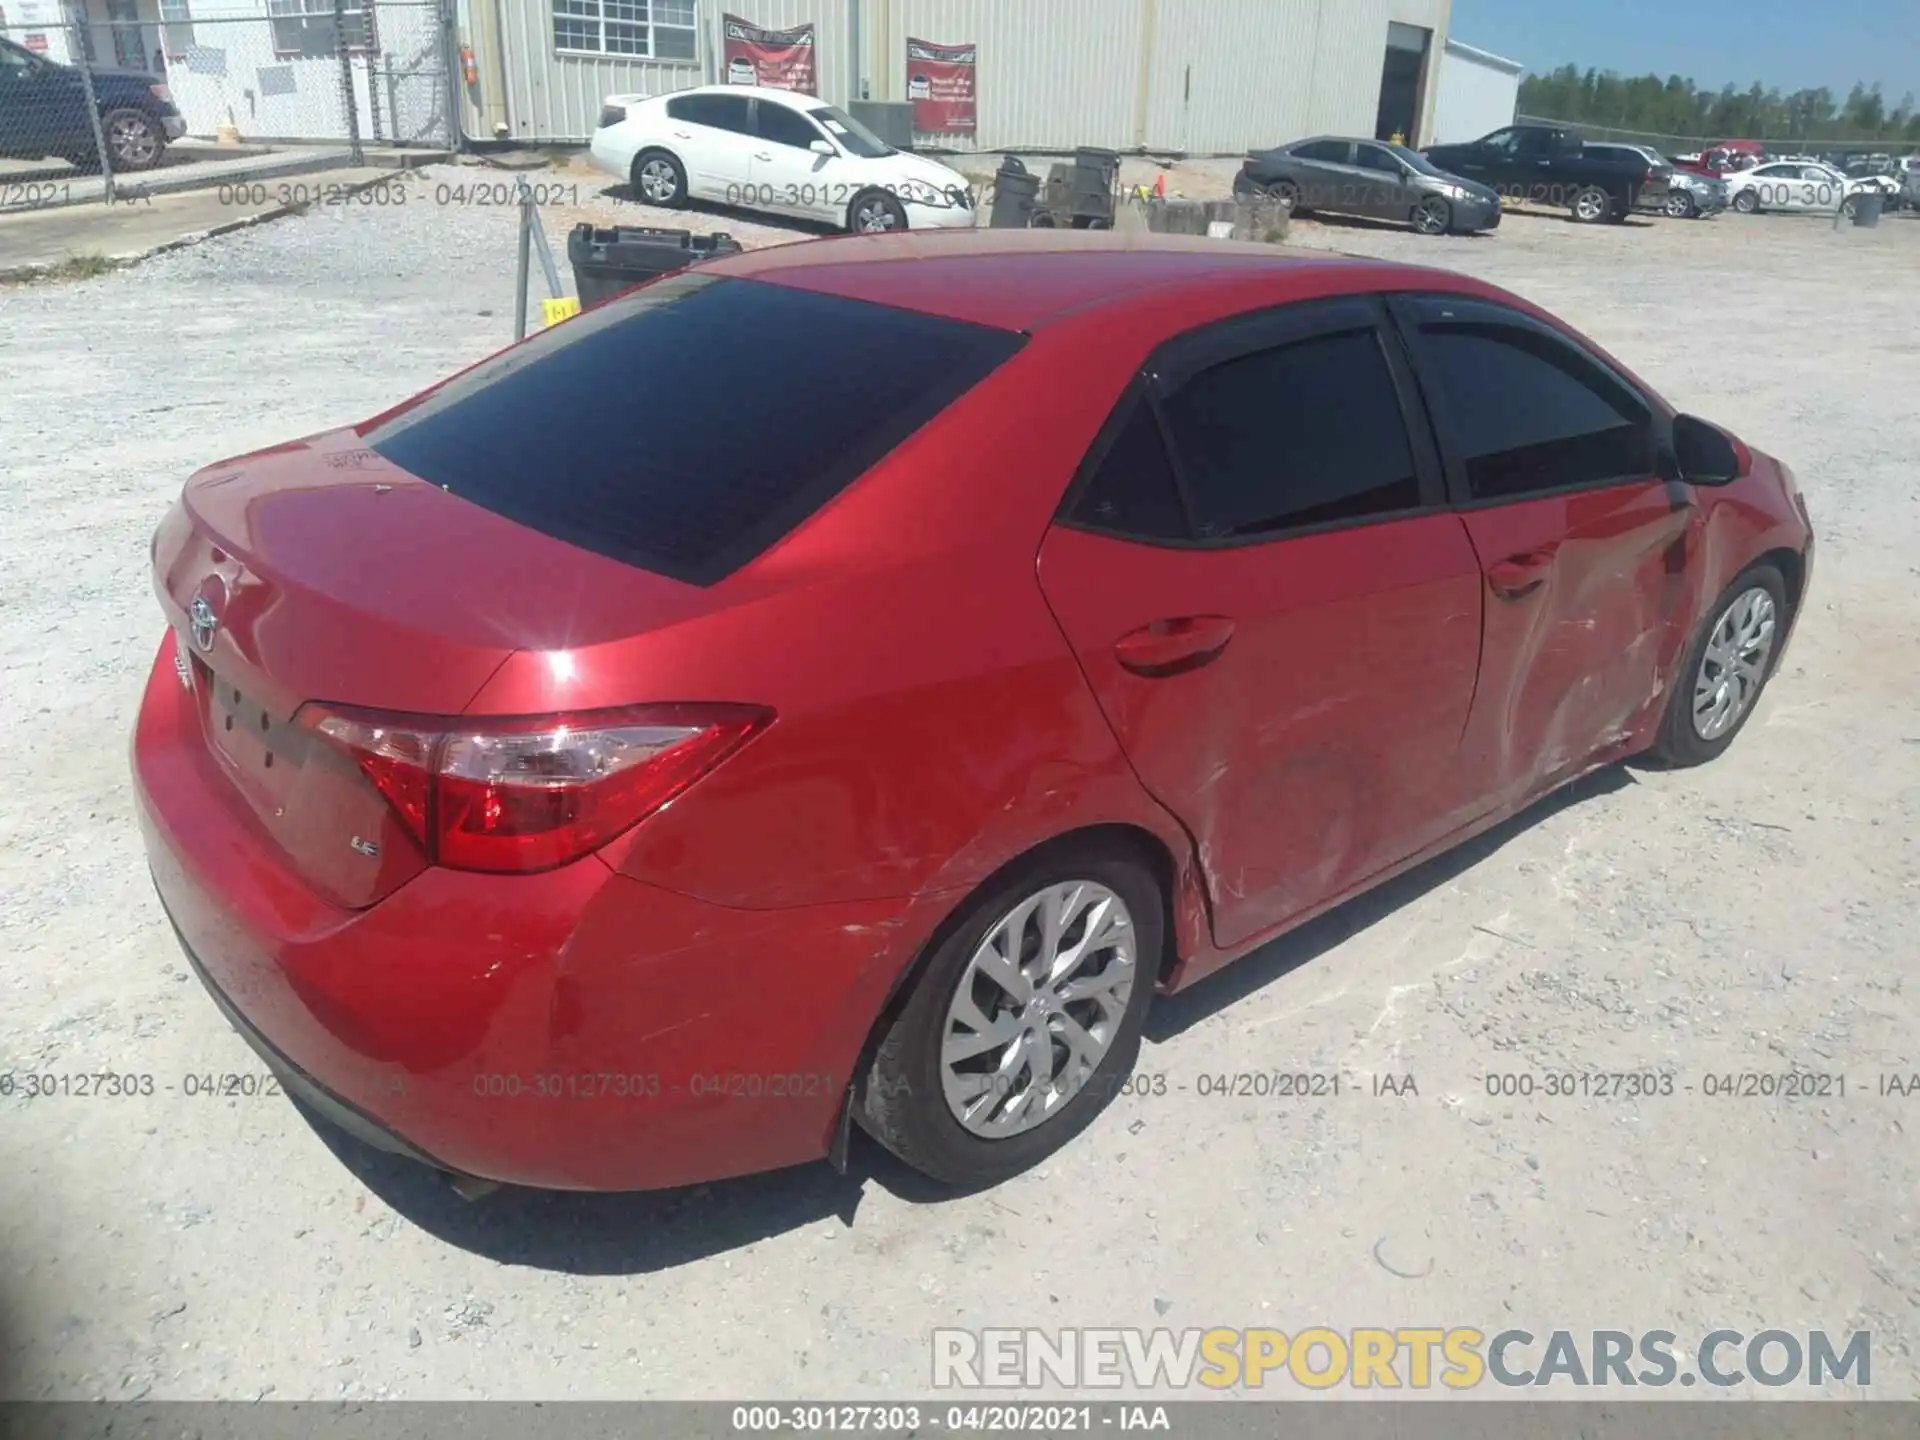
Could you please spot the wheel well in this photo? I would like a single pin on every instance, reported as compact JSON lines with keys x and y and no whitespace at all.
{"x":1147,"y":846}
{"x":1793,"y":570}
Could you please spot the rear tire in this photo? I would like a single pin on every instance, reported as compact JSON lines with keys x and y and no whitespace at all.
{"x":659,"y":179}
{"x":1591,"y":205}
{"x":936,"y":1100}
{"x":133,"y":140}
{"x":1726,"y":667}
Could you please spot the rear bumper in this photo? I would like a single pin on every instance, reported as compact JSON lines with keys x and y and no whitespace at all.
{"x":576,"y":1029}
{"x":173,"y":126}
{"x":300,"y":1085}
{"x":609,"y":154}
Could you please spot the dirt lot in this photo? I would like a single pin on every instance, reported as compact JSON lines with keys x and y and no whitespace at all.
{"x":1758,"y":915}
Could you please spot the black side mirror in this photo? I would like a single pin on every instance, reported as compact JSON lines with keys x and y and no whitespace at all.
{"x":1705,"y":453}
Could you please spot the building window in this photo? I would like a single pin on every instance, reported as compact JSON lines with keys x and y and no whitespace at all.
{"x":306,"y":27}
{"x":177,"y":26}
{"x":648,"y":29}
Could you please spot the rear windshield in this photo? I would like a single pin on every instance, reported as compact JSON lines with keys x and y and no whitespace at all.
{"x":692,"y":424}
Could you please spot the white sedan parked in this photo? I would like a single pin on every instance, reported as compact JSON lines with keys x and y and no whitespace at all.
{"x":765,"y":149}
{"x":1798,"y":185}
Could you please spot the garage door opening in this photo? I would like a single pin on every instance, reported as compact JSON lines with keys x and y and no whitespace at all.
{"x":1403,"y":83}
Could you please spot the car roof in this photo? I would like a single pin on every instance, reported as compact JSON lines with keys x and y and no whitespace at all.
{"x":791,"y":99}
{"x":1025,"y":279}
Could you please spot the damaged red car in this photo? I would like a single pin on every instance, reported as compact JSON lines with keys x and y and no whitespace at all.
{"x":845,"y":684}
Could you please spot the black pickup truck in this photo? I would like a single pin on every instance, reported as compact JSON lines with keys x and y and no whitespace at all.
{"x":1549,"y":165}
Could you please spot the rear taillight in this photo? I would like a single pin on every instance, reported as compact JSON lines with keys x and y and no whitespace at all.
{"x":530,"y":794}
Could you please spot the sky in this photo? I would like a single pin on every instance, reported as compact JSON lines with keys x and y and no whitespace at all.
{"x":1792,"y":44}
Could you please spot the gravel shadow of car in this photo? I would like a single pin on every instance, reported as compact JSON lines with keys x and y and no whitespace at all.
{"x":642,"y":1232}
{"x":1172,"y":1014}
{"x":1635,"y":221}
{"x":627,"y":1233}
{"x":1368,"y":223}
{"x":623,"y":195}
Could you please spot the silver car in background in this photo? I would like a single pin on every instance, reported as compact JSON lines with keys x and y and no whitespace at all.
{"x":1688,"y":196}
{"x":1370,"y":178}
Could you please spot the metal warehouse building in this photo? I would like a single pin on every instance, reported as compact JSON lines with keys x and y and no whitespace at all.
{"x":1192,"y":76}
{"x":1478,"y":94}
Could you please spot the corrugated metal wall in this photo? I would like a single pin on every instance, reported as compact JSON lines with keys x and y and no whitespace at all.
{"x":555,"y":97}
{"x":1221,"y":75}
{"x":1475,"y":97}
{"x":1053,"y":73}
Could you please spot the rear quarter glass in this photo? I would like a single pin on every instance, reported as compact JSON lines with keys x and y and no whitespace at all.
{"x":688,"y":427}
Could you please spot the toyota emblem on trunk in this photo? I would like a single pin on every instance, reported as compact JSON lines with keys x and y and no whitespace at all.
{"x":203,"y":621}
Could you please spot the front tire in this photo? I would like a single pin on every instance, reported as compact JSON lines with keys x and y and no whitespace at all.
{"x":1024,"y":1020}
{"x":659,"y":179}
{"x":1747,"y":203}
{"x":1726,"y":667}
{"x":1433,"y":216}
{"x":875,"y":212}
{"x":1680,"y":206}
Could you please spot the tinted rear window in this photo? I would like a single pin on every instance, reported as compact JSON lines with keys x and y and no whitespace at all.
{"x":691,"y":425}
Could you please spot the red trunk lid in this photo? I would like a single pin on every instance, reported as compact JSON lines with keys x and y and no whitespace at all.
{"x":331,"y":575}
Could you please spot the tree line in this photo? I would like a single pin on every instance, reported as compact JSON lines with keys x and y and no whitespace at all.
{"x":1678,"y":107}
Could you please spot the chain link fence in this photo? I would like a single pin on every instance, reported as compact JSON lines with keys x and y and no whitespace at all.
{"x":118,"y":88}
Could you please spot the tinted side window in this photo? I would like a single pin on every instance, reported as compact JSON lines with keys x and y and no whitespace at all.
{"x":1372,"y":157}
{"x":1134,"y":492}
{"x":692,"y":109}
{"x":1527,"y":414}
{"x":1302,"y":434}
{"x":751,"y":405}
{"x":722,"y":112}
{"x":1328,"y":151}
{"x":786,"y":127}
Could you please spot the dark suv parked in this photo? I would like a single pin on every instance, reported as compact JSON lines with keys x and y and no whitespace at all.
{"x":43,"y":111}
{"x":1552,"y":166}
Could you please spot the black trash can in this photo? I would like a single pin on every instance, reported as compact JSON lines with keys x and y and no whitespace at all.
{"x":1867,"y":206}
{"x":1015,"y":191}
{"x":607,"y":261}
{"x":1095,"y":179}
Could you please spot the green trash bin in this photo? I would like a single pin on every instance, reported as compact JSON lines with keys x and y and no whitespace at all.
{"x":1867,"y":206}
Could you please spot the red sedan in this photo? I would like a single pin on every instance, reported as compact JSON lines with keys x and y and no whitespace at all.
{"x":845,"y":683}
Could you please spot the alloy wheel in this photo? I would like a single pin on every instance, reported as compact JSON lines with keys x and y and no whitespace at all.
{"x":658,"y":183}
{"x":1431,"y":217}
{"x":1680,"y":205}
{"x":1734,"y":664}
{"x":874,"y":216}
{"x":1590,"y":205}
{"x":1037,"y":1008}
{"x":133,"y":141}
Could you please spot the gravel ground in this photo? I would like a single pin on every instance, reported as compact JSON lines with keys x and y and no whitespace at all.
{"x":1755,"y":915}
